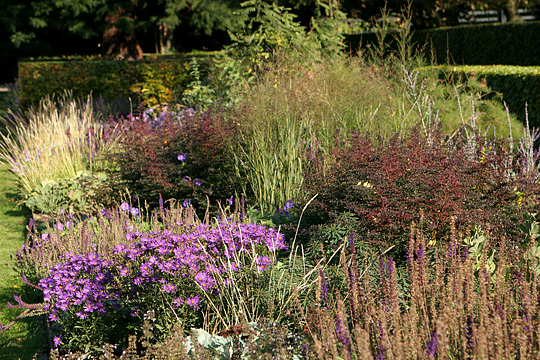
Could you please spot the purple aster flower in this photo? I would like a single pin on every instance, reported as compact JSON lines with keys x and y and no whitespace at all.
{"x":82,"y":315}
{"x":59,"y":226}
{"x":178,"y":301}
{"x":53,"y":317}
{"x":186,"y":203}
{"x":134,"y":211}
{"x":124,"y":206}
{"x":124,"y":271}
{"x":289,"y":204}
{"x":181,"y":157}
{"x":168,"y":288}
{"x":193,"y":302}
{"x":57,"y":340}
{"x":198,"y":182}
{"x":230,"y":201}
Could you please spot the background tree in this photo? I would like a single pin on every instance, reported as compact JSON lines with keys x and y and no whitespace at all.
{"x":119,"y":26}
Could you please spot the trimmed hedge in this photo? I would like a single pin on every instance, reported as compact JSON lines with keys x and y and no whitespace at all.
{"x":152,"y":81}
{"x":518,"y":85}
{"x":484,"y":44}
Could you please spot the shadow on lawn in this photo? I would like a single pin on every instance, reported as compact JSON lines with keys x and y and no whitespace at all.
{"x":32,"y":329}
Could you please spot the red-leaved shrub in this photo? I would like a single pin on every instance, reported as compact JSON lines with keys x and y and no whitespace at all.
{"x":389,"y":184}
{"x":178,"y":155}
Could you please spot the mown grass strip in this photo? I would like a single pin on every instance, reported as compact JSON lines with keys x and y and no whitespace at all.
{"x":28,"y":336}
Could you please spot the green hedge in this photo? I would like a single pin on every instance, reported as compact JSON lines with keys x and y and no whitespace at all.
{"x":153,"y":81}
{"x":517,"y":84}
{"x":485,"y":44}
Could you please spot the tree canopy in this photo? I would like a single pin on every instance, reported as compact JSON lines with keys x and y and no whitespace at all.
{"x":119,"y":25}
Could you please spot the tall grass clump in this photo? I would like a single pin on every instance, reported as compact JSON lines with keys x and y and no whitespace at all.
{"x":60,"y":139}
{"x":296,"y":110}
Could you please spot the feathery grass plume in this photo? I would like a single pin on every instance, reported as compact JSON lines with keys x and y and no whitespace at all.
{"x":59,"y":139}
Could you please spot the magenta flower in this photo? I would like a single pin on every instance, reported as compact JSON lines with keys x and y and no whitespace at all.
{"x":168,"y":288}
{"x":57,"y":340}
{"x":193,"y":302}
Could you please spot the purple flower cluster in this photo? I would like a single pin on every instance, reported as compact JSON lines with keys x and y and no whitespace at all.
{"x":126,"y":207}
{"x":285,"y":209}
{"x":80,"y":284}
{"x":180,"y":267}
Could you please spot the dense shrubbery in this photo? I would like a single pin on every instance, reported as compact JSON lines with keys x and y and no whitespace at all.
{"x":361,"y":162}
{"x":389,"y":184}
{"x":154,"y":82}
{"x":182,"y":155}
{"x":518,"y":86}
{"x":512,"y":43}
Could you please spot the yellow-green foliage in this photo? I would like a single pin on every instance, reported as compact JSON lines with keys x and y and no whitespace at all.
{"x":153,"y":82}
{"x":517,"y":84}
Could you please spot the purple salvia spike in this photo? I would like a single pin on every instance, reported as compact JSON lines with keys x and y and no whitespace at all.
{"x":432,"y":345}
{"x":25,"y":280}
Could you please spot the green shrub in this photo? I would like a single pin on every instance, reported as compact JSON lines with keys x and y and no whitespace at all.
{"x":486,"y":44}
{"x":151,"y":82}
{"x":517,"y":85}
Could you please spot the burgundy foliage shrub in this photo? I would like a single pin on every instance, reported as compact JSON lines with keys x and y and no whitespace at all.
{"x":389,"y":184}
{"x":178,"y":155}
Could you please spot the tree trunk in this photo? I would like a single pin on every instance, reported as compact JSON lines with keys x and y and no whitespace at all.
{"x":118,"y":43}
{"x":163,"y":37}
{"x":511,"y":10}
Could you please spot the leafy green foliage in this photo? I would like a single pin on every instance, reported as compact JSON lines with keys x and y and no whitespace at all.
{"x":198,"y":95}
{"x":119,"y":24}
{"x":77,"y":195}
{"x":272,"y":29}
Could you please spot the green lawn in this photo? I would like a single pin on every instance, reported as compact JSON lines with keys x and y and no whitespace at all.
{"x":28,"y":336}
{"x":3,"y":103}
